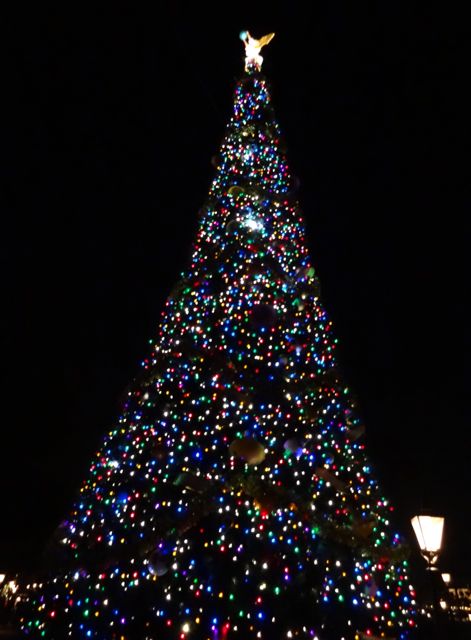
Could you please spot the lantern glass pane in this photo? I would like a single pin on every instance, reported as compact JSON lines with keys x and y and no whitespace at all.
{"x":428,"y":530}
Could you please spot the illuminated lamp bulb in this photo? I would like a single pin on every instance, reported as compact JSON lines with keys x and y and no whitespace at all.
{"x":429,"y":531}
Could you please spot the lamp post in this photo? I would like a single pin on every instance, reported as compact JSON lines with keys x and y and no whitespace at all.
{"x":429,"y":532}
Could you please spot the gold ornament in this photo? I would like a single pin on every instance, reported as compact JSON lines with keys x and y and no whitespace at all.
{"x":332,"y":478}
{"x":248,"y":449}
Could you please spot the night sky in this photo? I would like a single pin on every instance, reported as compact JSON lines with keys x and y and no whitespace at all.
{"x":111,"y":121}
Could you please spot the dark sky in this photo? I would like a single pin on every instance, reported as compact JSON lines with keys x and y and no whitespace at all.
{"x":110,"y":124}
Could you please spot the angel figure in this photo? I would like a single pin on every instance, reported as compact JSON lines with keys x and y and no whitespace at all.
{"x":253,"y":47}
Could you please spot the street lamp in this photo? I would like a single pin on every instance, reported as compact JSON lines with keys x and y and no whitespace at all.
{"x":429,"y":532}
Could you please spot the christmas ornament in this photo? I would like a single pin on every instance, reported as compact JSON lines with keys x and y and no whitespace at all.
{"x":363,"y":528}
{"x":266,"y":502}
{"x":263,"y":315}
{"x":193,"y":482}
{"x":294,"y":445}
{"x":159,"y":451}
{"x":157,"y":565}
{"x":251,"y":451}
{"x":356,"y":432}
{"x":232,"y":226}
{"x":235,"y":191}
{"x":334,"y":480}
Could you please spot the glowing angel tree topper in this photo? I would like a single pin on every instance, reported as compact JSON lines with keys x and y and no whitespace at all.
{"x":234,"y":497}
{"x":253,"y":48}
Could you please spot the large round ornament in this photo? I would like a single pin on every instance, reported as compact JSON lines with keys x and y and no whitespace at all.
{"x":363,"y":528}
{"x":294,"y":445}
{"x":232,"y":226}
{"x":267,"y":501}
{"x":157,"y":565}
{"x":263,"y":315}
{"x":236,"y":191}
{"x":249,"y":449}
{"x":254,"y":269}
{"x":159,"y":451}
{"x":248,"y":131}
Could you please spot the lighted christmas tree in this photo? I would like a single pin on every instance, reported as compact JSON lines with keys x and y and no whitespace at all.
{"x":234,"y":498}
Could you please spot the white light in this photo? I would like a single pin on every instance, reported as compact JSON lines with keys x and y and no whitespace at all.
{"x":186,"y":627}
{"x":446,"y":578}
{"x":428,"y":531}
{"x":13,"y":586}
{"x":2,"y":577}
{"x":253,"y":225}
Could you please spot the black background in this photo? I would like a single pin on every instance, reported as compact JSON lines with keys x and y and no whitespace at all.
{"x":111,"y":117}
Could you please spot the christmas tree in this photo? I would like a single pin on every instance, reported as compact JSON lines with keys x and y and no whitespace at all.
{"x":234,"y":498}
